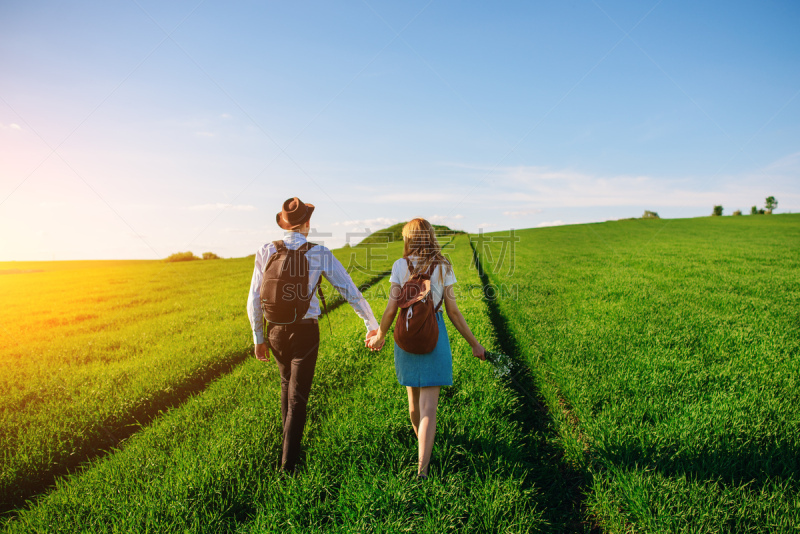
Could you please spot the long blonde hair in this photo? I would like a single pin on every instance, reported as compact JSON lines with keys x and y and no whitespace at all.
{"x":420,"y":240}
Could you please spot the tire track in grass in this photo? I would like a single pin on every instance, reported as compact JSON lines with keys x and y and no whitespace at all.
{"x":110,"y":437}
{"x":566,"y":503}
{"x":35,"y":485}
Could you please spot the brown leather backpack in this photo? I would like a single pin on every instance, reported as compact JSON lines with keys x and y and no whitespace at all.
{"x":285,"y":295}
{"x":417,"y":330}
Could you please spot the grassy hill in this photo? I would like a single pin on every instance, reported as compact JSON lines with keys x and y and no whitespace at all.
{"x":395,"y":233}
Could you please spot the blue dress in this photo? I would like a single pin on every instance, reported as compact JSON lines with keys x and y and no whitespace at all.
{"x":431,"y":369}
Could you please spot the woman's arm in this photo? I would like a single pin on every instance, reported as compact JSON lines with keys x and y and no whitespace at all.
{"x":460,"y":323}
{"x":388,"y":316}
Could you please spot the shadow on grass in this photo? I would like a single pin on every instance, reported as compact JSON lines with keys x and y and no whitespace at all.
{"x":561,"y":487}
{"x":756,"y":465}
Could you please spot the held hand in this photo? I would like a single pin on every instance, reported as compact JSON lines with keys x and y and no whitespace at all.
{"x":479,"y":352}
{"x":372,"y":341}
{"x":262,"y":352}
{"x":376,"y":343}
{"x":369,"y":336}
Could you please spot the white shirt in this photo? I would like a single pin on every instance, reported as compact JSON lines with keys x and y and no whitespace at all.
{"x":320,"y":262}
{"x":439,"y":280}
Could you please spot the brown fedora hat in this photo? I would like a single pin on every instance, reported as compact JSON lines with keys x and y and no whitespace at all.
{"x":294,"y":213}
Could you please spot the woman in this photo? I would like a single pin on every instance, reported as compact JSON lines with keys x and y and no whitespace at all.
{"x":425,"y":374}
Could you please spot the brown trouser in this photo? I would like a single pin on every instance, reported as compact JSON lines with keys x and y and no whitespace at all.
{"x":295,"y":347}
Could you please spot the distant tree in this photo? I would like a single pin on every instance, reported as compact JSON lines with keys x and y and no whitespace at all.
{"x":754,"y":210}
{"x":737,"y":212}
{"x":650,"y":215}
{"x":770,"y":204}
{"x":181,"y":256}
{"x":717,"y":211}
{"x":210,"y":256}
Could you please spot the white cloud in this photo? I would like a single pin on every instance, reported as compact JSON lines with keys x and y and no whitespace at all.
{"x":219,"y":206}
{"x":486,"y":225}
{"x":566,"y":188}
{"x":12,"y":126}
{"x":414,"y":198}
{"x":516,"y":190}
{"x":443,"y":219}
{"x":550,"y":223}
{"x":540,"y":187}
{"x":226,"y":116}
{"x":522,"y":213}
{"x":204,"y":134}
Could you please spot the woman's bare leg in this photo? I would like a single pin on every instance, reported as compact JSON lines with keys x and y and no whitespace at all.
{"x":428,"y":402}
{"x":413,"y":408}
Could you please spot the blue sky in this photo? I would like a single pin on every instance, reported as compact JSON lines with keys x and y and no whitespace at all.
{"x":135,"y":129}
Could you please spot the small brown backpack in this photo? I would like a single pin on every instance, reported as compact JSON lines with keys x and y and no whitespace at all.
{"x":285,"y":295}
{"x":417,"y":330}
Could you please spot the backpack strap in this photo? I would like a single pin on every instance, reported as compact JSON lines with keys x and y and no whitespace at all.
{"x":430,"y":275}
{"x":306,"y":246}
{"x":431,"y":268}
{"x":439,"y":306}
{"x":321,"y":295}
{"x":410,"y":267}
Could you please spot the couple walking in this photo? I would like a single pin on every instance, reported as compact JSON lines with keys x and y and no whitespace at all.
{"x":292,"y":333}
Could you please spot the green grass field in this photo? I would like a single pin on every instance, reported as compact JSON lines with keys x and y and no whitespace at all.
{"x":667,"y":352}
{"x":105,"y":346}
{"x":654,"y":389}
{"x":210,"y":464}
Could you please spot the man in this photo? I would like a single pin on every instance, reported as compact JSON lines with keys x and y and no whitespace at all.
{"x":296,"y":344}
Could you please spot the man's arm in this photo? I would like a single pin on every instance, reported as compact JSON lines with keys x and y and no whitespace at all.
{"x":335,"y":273}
